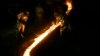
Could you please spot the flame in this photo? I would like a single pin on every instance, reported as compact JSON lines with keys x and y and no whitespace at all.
{"x":69,"y":4}
{"x":41,"y":37}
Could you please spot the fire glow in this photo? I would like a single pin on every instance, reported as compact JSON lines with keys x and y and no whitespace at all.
{"x":40,"y":38}
{"x":69,"y":4}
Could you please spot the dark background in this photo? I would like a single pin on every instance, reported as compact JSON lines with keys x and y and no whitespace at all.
{"x":67,"y":45}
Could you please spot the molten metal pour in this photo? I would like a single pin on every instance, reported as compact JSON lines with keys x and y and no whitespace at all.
{"x":59,"y":23}
{"x":41,"y":37}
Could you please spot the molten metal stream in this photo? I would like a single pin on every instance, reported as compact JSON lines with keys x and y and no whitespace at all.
{"x":40,"y":38}
{"x":47,"y":32}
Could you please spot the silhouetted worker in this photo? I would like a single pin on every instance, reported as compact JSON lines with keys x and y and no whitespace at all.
{"x":22,"y":19}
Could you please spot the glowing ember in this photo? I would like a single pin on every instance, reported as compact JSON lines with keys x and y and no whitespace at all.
{"x":69,"y":4}
{"x":41,"y":37}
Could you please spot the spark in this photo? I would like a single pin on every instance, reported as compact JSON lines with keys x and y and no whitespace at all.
{"x":41,"y":37}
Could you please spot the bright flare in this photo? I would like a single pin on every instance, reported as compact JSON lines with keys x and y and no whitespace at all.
{"x":69,"y":4}
{"x":41,"y":37}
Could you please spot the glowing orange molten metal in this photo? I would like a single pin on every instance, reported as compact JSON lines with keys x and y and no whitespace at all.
{"x":41,"y":37}
{"x":69,"y":4}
